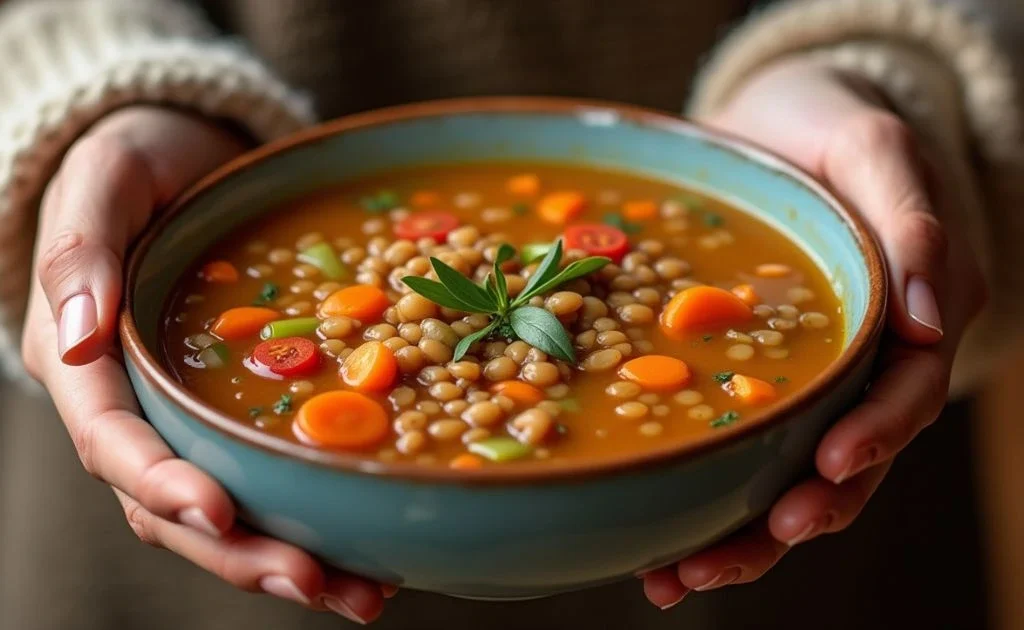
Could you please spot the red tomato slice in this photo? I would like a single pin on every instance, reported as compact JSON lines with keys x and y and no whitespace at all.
{"x":435,"y":225}
{"x":597,"y":240}
{"x":288,"y":356}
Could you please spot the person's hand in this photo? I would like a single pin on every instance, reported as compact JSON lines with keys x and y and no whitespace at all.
{"x":837,"y":130}
{"x":112,"y":180}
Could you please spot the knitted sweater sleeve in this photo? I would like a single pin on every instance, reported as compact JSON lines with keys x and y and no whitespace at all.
{"x":945,"y":72}
{"x":67,"y":63}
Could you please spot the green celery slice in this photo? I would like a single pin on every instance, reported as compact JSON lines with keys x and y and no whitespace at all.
{"x":323,"y":257}
{"x":215,"y":356}
{"x":500,"y":449}
{"x":533,"y":251}
{"x":296,"y":327}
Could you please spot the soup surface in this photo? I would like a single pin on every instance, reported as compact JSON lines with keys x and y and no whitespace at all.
{"x":303,"y":324}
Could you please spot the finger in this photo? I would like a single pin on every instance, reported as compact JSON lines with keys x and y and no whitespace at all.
{"x":250,"y":562}
{"x":663,"y":588}
{"x":104,"y":198}
{"x":819,"y":506}
{"x":872,"y":161}
{"x":115,"y":445}
{"x":907,"y":397}
{"x":742,"y":558}
{"x":352,"y":597}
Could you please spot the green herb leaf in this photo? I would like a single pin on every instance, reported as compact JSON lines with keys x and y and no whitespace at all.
{"x":520,"y":208}
{"x":463,"y":289}
{"x":724,"y":377}
{"x":283,"y":404}
{"x":617,"y":221}
{"x":492,"y":288}
{"x":439,"y":294}
{"x":462,"y":347}
{"x":505,"y":253}
{"x":547,"y":269}
{"x":781,"y":379}
{"x":268,"y":294}
{"x":254,"y":412}
{"x":542,"y":329}
{"x":725,"y":419}
{"x":382,"y":201}
{"x":534,"y":251}
{"x":575,"y":270}
{"x":713,"y":220}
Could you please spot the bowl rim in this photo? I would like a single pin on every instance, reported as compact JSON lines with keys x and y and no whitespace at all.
{"x":861,"y":346}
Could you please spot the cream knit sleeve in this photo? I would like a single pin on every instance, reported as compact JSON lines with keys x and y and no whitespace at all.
{"x":947,"y":75}
{"x":66,"y":63}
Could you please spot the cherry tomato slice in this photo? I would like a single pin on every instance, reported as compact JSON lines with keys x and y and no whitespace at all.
{"x":287,"y":356}
{"x":597,"y":240}
{"x":435,"y":225}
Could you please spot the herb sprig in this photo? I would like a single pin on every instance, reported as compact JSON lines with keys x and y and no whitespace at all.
{"x":510,"y":317}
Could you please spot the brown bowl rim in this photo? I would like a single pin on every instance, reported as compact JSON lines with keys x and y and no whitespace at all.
{"x":861,"y":346}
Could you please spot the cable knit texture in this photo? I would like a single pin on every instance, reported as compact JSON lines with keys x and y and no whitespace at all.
{"x":66,"y":63}
{"x":947,"y":78}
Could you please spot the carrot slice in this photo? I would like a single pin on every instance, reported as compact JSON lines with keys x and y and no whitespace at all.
{"x":752,"y":391}
{"x":371,"y":367}
{"x":656,"y":372}
{"x":364,"y":302}
{"x":522,"y":393}
{"x":639,"y":210}
{"x":746,"y":293}
{"x":424,"y":199}
{"x":702,"y":307}
{"x":466,"y":461}
{"x":561,"y":207}
{"x":342,"y":420}
{"x":527,"y":185}
{"x":244,"y":321}
{"x":220,"y":271}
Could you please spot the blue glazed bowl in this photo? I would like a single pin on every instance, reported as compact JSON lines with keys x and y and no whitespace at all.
{"x":506,"y":533}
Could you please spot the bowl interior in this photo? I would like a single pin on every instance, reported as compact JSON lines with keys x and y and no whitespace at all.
{"x":648,"y":144}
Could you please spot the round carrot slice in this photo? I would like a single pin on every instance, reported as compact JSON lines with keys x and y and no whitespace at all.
{"x":520,"y":392}
{"x":345,"y":420}
{"x":656,"y":372}
{"x":371,"y":367}
{"x":364,"y":302}
{"x":219,"y":271}
{"x":699,"y":308}
{"x":435,"y":225}
{"x":288,"y":356}
{"x":561,"y":207}
{"x":597,"y":240}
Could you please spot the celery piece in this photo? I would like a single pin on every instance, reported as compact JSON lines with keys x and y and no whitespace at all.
{"x":323,"y":257}
{"x":215,"y":356}
{"x":200,"y":341}
{"x":297,"y":327}
{"x":500,"y":449}
{"x":533,"y":251}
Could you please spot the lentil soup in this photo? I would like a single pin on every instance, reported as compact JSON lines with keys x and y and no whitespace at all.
{"x":683,"y":316}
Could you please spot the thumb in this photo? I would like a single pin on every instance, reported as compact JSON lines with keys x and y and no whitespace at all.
{"x":872,"y":161}
{"x":104,"y":194}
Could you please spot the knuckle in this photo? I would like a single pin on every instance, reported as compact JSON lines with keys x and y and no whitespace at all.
{"x":154,"y":482}
{"x":872,"y":132}
{"x":141,"y":523}
{"x":109,"y":155}
{"x":922,"y":231}
{"x":62,"y":256}
{"x":83,"y":435}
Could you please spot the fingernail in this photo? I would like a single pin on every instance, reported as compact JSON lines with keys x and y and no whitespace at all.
{"x":810,"y":530}
{"x":197,"y":520}
{"x":388,"y":590}
{"x":862,"y":458}
{"x":724,"y":578}
{"x":77,"y":322}
{"x":921,"y":304}
{"x":671,"y":604}
{"x":283,"y":587}
{"x":339,"y":606}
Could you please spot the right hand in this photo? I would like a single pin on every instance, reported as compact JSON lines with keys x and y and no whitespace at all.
{"x":129,"y":165}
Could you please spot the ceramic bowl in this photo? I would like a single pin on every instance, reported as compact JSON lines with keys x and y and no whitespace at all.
{"x":506,"y":533}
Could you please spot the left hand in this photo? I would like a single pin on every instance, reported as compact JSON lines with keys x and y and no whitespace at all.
{"x":838,"y":131}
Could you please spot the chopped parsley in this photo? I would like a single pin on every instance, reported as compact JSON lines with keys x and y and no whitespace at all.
{"x":707,"y":337}
{"x":382,"y":201}
{"x":616,"y":220}
{"x":283,"y":404}
{"x":725,"y":419}
{"x":723,"y":377}
{"x":713,"y":220}
{"x":690,"y":201}
{"x":254,"y":412}
{"x":569,"y":404}
{"x":520,"y":208}
{"x":268,"y":294}
{"x":781,"y":379}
